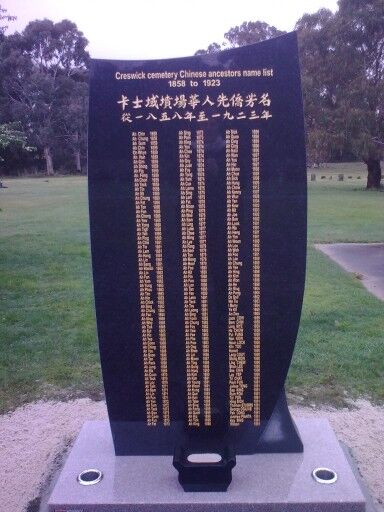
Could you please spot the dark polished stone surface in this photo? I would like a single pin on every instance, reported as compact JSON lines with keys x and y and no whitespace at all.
{"x":282,"y":214}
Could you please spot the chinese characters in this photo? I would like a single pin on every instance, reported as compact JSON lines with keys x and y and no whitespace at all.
{"x":195,"y":107}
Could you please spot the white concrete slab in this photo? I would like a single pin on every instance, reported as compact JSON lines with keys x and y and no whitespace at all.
{"x":262,"y":482}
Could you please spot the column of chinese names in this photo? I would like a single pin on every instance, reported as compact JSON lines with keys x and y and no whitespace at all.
{"x":203,"y":275}
{"x":256,"y":272}
{"x":159,"y":275}
{"x":189,"y":262}
{"x":140,"y":170}
{"x":143,"y":201}
{"x":239,"y":410}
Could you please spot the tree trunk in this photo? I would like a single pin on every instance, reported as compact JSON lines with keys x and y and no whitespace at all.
{"x":374,"y":173}
{"x":77,"y":160}
{"x":48,"y":161}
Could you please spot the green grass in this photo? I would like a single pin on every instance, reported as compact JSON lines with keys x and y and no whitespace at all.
{"x":48,"y":342}
{"x":340,"y":347}
{"x":344,"y":211}
{"x":47,"y":333}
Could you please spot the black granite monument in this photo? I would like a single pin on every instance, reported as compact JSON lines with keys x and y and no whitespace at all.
{"x":197,"y":193}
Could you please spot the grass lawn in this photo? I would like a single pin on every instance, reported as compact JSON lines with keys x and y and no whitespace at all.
{"x":47,"y":333}
{"x":340,"y":347}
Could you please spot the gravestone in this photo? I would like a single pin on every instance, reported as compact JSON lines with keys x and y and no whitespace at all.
{"x":197,"y":197}
{"x":197,"y":192}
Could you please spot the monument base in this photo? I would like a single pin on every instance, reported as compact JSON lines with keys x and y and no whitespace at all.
{"x":261,"y":483}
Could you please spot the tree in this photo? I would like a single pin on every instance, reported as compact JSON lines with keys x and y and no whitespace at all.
{"x":32,"y":96}
{"x":4,"y":18}
{"x":342,"y":75}
{"x":40,"y":65}
{"x":212,"y":48}
{"x":248,"y":32}
{"x":251,"y":32}
{"x":74,"y":118}
{"x":325,"y":138}
{"x":57,"y":48}
{"x":342,"y":57}
{"x":361,"y":28}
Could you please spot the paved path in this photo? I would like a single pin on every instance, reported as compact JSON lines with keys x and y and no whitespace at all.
{"x":364,"y":259}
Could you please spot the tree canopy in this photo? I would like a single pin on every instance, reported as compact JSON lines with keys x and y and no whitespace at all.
{"x":342,"y":61}
{"x":248,"y":32}
{"x":44,"y":87}
{"x":342,"y":57}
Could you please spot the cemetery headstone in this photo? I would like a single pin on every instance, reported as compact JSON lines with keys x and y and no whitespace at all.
{"x":197,"y":191}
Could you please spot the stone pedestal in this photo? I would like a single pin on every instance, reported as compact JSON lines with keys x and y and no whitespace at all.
{"x":261,"y":483}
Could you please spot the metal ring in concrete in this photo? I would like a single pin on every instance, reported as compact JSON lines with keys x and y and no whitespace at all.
{"x":324,"y":475}
{"x":90,"y":477}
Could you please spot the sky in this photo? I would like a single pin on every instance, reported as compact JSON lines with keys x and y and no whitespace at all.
{"x":150,"y":29}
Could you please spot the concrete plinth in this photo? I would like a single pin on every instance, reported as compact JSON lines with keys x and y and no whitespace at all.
{"x":261,"y":483}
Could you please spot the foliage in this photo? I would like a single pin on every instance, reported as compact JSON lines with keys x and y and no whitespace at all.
{"x":55,"y":47}
{"x":45,"y":80}
{"x":12,"y":137}
{"x":251,"y":32}
{"x":342,"y":57}
{"x":320,"y":90}
{"x":44,"y":83}
{"x":73,"y":120}
{"x":11,"y":134}
{"x":247,"y":33}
